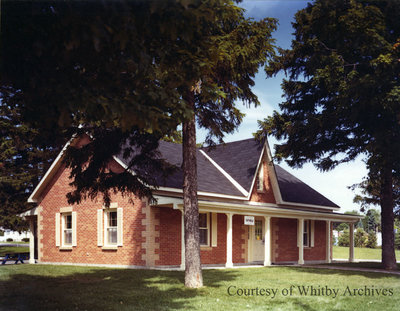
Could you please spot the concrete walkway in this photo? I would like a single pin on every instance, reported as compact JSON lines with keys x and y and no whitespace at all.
{"x":352,"y":269}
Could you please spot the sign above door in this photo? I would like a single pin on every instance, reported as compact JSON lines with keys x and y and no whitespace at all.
{"x":249,"y":220}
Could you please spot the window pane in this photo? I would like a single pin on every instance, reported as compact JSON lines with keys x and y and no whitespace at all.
{"x":112,"y":219}
{"x":258,"y":230}
{"x":203,"y":237}
{"x":203,"y":220}
{"x":68,"y":221}
{"x":305,"y":239}
{"x":112,"y":235}
{"x":68,"y":236}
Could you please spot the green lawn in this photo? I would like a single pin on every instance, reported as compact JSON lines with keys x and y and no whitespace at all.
{"x":360,"y":253}
{"x":46,"y":287}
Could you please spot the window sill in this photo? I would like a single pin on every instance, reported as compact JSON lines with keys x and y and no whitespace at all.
{"x":110,"y":248}
{"x":65,"y":248}
{"x":205,"y":247}
{"x":260,"y":191}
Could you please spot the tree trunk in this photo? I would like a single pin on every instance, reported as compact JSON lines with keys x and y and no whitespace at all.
{"x":193,"y":274}
{"x":386,"y":196}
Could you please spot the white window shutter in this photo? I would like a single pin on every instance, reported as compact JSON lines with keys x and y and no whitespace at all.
{"x":120,"y":226}
{"x":58,"y":218}
{"x":74,"y":229}
{"x":214,"y":229}
{"x":99,"y":227}
{"x":312,"y":232}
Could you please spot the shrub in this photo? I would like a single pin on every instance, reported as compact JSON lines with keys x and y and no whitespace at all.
{"x":397,"y":240}
{"x":372,"y":240}
{"x":360,"y":237}
{"x":1,"y":233}
{"x":25,"y":240}
{"x":10,"y":240}
{"x":344,"y":238}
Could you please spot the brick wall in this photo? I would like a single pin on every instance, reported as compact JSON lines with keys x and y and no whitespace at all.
{"x":169,"y":237}
{"x":170,"y":240}
{"x":284,"y":241}
{"x":267,"y":195}
{"x":87,"y":250}
{"x":318,"y":252}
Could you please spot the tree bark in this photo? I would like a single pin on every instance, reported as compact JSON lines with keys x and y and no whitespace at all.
{"x":193,"y":274}
{"x":387,"y":204}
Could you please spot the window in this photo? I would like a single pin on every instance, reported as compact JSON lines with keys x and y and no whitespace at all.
{"x":258,"y":230}
{"x":308,"y":233}
{"x":109,"y":227}
{"x":67,"y":229}
{"x":112,"y":228}
{"x":260,"y":179}
{"x":204,"y":228}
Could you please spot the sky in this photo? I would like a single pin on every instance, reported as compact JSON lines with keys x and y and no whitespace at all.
{"x":333,"y":184}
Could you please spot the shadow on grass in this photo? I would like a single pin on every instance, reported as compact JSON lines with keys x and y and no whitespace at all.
{"x":77,"y":288}
{"x":327,"y":271}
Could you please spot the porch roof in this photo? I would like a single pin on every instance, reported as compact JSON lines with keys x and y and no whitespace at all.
{"x":258,"y":209}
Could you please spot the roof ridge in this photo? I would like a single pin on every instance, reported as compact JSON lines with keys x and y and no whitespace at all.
{"x":230,"y":142}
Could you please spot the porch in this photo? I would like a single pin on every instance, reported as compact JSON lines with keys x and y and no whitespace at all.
{"x":311,"y":242}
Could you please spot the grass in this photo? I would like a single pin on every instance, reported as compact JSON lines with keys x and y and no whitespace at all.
{"x":46,"y":287}
{"x":12,"y":250}
{"x":340,"y":252}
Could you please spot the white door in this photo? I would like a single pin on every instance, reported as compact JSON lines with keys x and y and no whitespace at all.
{"x":258,"y":240}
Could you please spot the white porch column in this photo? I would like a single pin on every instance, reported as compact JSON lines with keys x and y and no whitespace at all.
{"x":31,"y":241}
{"x":229,"y":263}
{"x":300,"y":231}
{"x":183,"y":240}
{"x":351,"y":248}
{"x":328,"y":241}
{"x":267,"y":239}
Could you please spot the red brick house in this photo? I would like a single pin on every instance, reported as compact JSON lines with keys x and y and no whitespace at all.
{"x":251,"y":211}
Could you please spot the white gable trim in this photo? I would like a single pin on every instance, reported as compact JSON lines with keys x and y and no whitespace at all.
{"x":229,"y":177}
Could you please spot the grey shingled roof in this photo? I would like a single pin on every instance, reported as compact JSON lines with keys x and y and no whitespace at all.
{"x":294,"y":190}
{"x":209,"y":178}
{"x":239,"y":159}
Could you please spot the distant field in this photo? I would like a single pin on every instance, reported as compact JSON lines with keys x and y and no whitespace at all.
{"x":340,"y":252}
{"x":13,"y":249}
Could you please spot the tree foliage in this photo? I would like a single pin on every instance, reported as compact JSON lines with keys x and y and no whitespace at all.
{"x":372,"y":241}
{"x":342,"y":94}
{"x":130,"y":72}
{"x":24,"y":158}
{"x":127,"y":64}
{"x":370,"y":192}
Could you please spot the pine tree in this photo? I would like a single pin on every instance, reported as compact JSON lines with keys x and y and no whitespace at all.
{"x":24,"y":158}
{"x":127,"y":71}
{"x":342,"y":95}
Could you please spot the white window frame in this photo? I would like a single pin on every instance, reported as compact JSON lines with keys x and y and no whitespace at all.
{"x":206,"y":228}
{"x":107,"y":226}
{"x":63,"y":229}
{"x":60,"y":227}
{"x":260,"y":179}
{"x":308,"y":233}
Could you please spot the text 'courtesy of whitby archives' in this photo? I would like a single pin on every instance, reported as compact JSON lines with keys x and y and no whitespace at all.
{"x":309,"y":290}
